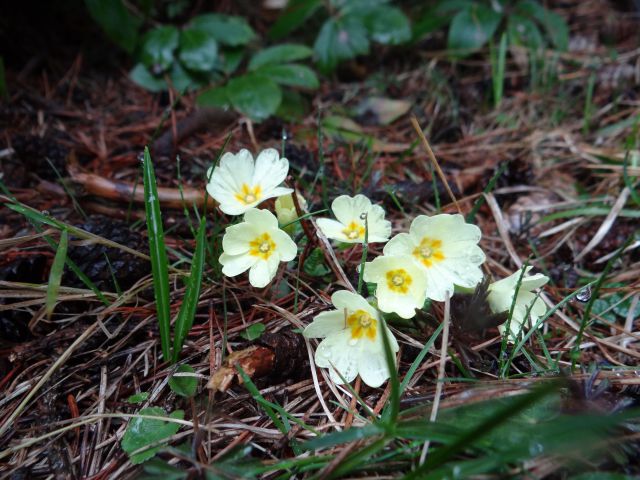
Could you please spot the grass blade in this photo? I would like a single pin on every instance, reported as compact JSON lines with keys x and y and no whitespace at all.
{"x":192,"y":294}
{"x":158,"y":253}
{"x":55,"y":275}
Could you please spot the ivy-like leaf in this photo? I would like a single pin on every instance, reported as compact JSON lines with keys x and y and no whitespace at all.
{"x":143,"y":77}
{"x":183,"y":385}
{"x":142,"y":432}
{"x":340,"y":39}
{"x":287,"y":52}
{"x":471,"y":28}
{"x":226,"y":29}
{"x":292,"y":75}
{"x":198,"y":50}
{"x":114,"y":18}
{"x":158,"y":47}
{"x":254,"y":95}
{"x":388,"y":25}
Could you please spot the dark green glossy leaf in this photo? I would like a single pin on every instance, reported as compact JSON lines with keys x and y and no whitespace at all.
{"x":255,"y":96}
{"x":471,"y":28}
{"x":198,"y":50}
{"x":292,"y":75}
{"x":158,"y":470}
{"x":340,"y":39}
{"x":296,"y":13}
{"x":293,"y":108}
{"x":226,"y":29}
{"x":388,"y":25}
{"x":555,"y":26}
{"x":158,"y":47}
{"x":185,"y":386}
{"x":229,"y":59}
{"x":181,"y":79}
{"x":119,"y":25}
{"x":523,"y":31}
{"x":215,"y":97}
{"x":146,"y":431}
{"x":287,"y":52}
{"x":143,"y":77}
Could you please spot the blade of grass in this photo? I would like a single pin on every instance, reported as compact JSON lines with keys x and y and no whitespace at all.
{"x":55,"y":275}
{"x":441,"y":455}
{"x":471,"y":216}
{"x":192,"y":294}
{"x":416,"y":363}
{"x":575,"y":351}
{"x":498,"y":61}
{"x":158,"y":253}
{"x":507,"y":328}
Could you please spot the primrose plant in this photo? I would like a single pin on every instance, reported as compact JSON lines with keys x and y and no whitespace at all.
{"x":438,"y":255}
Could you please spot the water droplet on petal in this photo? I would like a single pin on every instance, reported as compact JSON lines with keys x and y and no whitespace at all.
{"x":353,"y":341}
{"x":584,"y":295}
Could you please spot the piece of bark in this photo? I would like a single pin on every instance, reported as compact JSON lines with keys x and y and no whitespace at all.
{"x":210,"y":118}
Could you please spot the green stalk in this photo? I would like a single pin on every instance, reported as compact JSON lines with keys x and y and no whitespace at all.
{"x":158,"y":253}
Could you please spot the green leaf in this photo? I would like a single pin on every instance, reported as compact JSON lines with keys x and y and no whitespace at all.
{"x":158,"y":47}
{"x":143,"y":77}
{"x":157,"y":469}
{"x":158,"y":254}
{"x":293,"y":108}
{"x":292,"y":74}
{"x":287,"y":52}
{"x":142,"y":432}
{"x":388,"y":25}
{"x":314,"y":264}
{"x":138,"y":397}
{"x":198,"y":50}
{"x":229,"y":59}
{"x":187,"y":312}
{"x":253,"y":332}
{"x":226,"y":29}
{"x":255,"y":96}
{"x":556,"y":27}
{"x":472,"y":28}
{"x":340,"y":39}
{"x":55,"y":275}
{"x":181,"y":79}
{"x":215,"y":97}
{"x":119,"y":25}
{"x":297,"y":12}
{"x":523,"y":31}
{"x":184,"y":386}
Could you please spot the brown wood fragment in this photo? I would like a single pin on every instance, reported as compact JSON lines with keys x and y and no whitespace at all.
{"x":255,"y":362}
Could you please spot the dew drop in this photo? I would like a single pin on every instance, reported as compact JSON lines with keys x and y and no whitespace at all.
{"x":45,"y":213}
{"x":584,"y":295}
{"x":363,"y":216}
{"x":353,"y":342}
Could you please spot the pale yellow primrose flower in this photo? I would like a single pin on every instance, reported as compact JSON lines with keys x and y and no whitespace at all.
{"x":286,"y":210}
{"x":352,"y":342}
{"x":257,"y":245}
{"x":239,"y":184}
{"x":445,"y":248}
{"x":400,"y":284}
{"x":350,"y":224}
{"x":500,"y":298}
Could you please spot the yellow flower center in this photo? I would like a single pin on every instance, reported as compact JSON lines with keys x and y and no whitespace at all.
{"x":354,"y":231}
{"x":248,"y":194}
{"x":262,"y":246}
{"x":362,"y":324}
{"x":399,"y":280}
{"x":429,"y":251}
